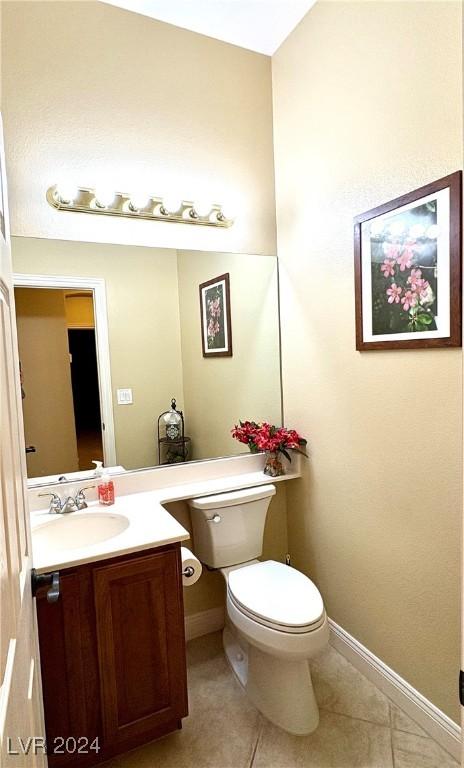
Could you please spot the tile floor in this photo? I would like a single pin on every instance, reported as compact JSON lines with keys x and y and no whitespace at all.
{"x":359,"y":727}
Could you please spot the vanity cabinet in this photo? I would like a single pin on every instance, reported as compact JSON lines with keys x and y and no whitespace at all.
{"x":112,"y":654}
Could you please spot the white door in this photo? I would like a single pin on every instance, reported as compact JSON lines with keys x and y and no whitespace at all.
{"x":21,"y":717}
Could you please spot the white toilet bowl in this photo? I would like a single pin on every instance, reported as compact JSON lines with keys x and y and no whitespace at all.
{"x":276,"y":623}
{"x":276,"y":619}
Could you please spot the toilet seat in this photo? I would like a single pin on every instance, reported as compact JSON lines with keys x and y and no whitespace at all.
{"x":276,"y":596}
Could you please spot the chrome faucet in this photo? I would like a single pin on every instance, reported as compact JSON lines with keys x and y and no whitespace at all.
{"x":60,"y":506}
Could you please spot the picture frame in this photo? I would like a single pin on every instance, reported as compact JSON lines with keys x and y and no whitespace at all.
{"x":216,"y":327}
{"x":407,"y":265}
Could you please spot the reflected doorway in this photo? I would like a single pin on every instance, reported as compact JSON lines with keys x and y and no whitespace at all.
{"x":86,"y":399}
{"x":64,"y":430}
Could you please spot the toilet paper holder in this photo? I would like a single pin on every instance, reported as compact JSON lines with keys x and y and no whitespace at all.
{"x":188,"y":571}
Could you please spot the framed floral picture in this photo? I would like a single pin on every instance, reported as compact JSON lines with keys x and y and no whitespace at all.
{"x":408,"y":269}
{"x":216,"y":329}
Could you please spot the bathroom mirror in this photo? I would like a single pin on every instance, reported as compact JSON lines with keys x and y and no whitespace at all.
{"x":108,"y":335}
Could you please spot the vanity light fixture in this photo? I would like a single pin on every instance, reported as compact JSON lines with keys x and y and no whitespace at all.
{"x":170,"y":205}
{"x":66,"y":193}
{"x":200,"y":208}
{"x":138,"y":205}
{"x":138,"y":201}
{"x":104,"y":197}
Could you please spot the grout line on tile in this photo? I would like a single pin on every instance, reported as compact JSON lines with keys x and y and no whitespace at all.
{"x":390,"y":709}
{"x":426,"y":737}
{"x":255,"y":748}
{"x":354,"y":717}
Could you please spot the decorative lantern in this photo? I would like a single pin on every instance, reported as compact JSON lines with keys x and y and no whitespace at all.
{"x":173,"y":446}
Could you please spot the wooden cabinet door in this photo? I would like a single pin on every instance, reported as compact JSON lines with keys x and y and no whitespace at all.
{"x":69,"y":660}
{"x":141,"y":646}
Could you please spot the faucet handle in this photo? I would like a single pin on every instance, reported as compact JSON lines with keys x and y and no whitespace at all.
{"x":80,"y":497}
{"x":55,"y":503}
{"x":70,"y":505}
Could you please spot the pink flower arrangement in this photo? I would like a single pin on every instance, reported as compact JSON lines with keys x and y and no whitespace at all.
{"x":410,"y":296}
{"x":267,"y":437}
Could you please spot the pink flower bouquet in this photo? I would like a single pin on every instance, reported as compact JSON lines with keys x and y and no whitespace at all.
{"x":267,"y":437}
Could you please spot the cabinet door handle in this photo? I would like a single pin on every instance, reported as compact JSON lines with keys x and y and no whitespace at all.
{"x":42,"y":579}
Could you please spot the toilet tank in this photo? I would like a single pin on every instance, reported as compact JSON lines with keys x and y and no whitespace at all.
{"x":228,"y":528}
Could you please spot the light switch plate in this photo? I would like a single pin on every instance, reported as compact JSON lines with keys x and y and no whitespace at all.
{"x":124,"y":396}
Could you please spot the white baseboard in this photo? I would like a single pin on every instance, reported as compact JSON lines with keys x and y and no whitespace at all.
{"x":431,"y":719}
{"x":203,"y":623}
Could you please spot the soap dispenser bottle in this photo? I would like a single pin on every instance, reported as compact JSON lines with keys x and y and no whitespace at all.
{"x":106,"y":490}
{"x":98,"y":468}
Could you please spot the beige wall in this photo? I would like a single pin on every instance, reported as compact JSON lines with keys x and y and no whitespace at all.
{"x":94,"y":92}
{"x":367,"y":106}
{"x":219,"y":391}
{"x":48,"y":405}
{"x":143,"y":325}
{"x":209,"y":591}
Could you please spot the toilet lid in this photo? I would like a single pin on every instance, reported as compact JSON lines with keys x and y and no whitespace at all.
{"x":277,"y":594}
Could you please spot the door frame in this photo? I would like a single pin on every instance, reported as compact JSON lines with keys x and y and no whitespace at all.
{"x":98,"y":287}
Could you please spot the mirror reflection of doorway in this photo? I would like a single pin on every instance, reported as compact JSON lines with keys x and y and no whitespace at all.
{"x":61,"y":400}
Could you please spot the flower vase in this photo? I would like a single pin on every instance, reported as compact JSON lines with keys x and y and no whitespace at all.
{"x":273,"y":466}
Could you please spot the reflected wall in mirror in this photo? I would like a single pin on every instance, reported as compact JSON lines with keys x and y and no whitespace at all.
{"x":97,"y":318}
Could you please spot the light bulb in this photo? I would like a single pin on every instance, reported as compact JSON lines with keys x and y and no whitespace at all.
{"x":104,"y":196}
{"x":202,"y":207}
{"x":171,"y":204}
{"x":139,"y":200}
{"x":66,"y":192}
{"x":433,"y":232}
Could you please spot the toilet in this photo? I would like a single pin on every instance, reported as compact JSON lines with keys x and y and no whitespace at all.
{"x":276,"y":621}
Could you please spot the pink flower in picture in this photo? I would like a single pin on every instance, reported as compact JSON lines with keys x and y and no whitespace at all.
{"x":213,"y":328}
{"x":414,"y":277}
{"x":421,"y":287}
{"x":214,"y":307}
{"x":405,"y":260}
{"x":417,"y":282}
{"x":394,"y":293}
{"x":409,"y":300}
{"x":388,"y":268}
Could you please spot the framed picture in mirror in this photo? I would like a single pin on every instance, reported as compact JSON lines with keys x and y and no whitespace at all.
{"x":216,"y":329}
{"x":408,"y":270}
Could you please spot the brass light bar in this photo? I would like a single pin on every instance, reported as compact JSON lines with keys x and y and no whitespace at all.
{"x":86,"y":201}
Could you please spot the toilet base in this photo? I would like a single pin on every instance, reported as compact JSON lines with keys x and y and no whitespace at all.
{"x":281,"y":690}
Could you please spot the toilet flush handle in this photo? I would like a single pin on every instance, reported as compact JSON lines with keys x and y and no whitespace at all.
{"x":214,"y":519}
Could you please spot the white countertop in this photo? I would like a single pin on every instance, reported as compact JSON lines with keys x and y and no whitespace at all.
{"x":149,"y":523}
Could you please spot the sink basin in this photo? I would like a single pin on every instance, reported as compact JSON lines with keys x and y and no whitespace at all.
{"x":74,"y":530}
